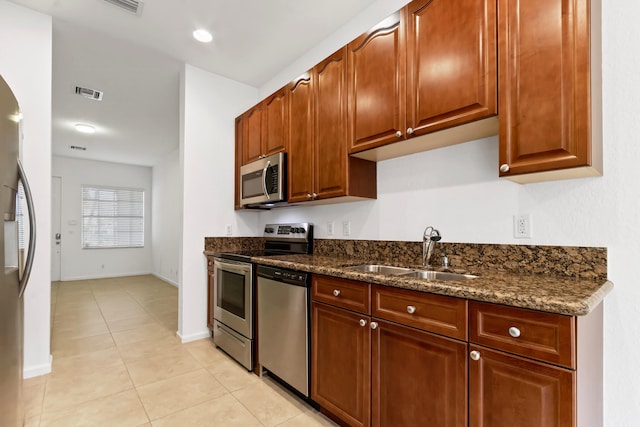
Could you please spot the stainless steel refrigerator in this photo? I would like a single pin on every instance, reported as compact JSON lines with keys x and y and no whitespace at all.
{"x":17,"y":256}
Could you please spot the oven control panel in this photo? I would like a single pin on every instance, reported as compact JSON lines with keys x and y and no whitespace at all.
{"x":287,"y":231}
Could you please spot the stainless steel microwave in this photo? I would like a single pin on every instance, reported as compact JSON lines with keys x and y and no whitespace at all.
{"x":263,"y":181}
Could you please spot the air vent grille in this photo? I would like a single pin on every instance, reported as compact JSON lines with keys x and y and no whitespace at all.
{"x":131,"y":6}
{"x":77,"y":147}
{"x":96,"y":95}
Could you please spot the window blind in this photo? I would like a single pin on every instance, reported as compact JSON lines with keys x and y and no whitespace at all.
{"x":112,"y":217}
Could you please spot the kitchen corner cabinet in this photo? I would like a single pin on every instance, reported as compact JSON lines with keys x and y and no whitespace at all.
{"x":318,"y":163}
{"x":430,"y":67}
{"x":264,"y":128}
{"x":369,"y":370}
{"x":548,"y":90}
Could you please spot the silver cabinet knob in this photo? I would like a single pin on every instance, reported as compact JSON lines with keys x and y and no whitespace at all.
{"x":409,"y":131}
{"x":309,"y":196}
{"x":336,"y":292}
{"x":315,"y":195}
{"x":411,"y":309}
{"x":474,"y":355}
{"x":504,"y":168}
{"x":374,"y":325}
{"x":514,"y":332}
{"x":363,"y":322}
{"x":399,"y":134}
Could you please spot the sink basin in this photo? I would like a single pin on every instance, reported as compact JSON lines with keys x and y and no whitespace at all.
{"x":438,"y":275}
{"x":380,"y":269}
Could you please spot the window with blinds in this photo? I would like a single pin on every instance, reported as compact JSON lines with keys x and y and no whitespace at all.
{"x":112,"y":218}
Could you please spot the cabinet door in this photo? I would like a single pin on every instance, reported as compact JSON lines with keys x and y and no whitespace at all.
{"x":300,"y":154}
{"x":240,"y":133}
{"x":451,"y":63}
{"x":330,"y":80}
{"x":210,"y":293}
{"x":341,"y":363}
{"x":274,"y":137}
{"x":544,"y":85}
{"x":377,"y":92}
{"x":507,"y":390}
{"x":418,"y":378}
{"x":252,"y":140}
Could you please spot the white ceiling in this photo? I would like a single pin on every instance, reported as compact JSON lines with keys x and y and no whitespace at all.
{"x":136,"y":61}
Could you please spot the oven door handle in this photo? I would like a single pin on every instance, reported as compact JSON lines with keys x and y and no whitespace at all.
{"x":234,"y":268}
{"x":264,"y":179}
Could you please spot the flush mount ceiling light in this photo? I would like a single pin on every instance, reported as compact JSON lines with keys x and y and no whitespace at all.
{"x":203,"y":36}
{"x":81,"y":127}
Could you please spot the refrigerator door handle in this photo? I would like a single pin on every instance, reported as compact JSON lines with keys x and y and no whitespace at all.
{"x":32,"y":231}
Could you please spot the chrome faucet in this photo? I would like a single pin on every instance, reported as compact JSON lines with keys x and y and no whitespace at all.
{"x":429,"y":239}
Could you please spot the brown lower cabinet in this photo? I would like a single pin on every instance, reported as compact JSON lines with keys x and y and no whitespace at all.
{"x":380,"y":358}
{"x":368,"y":371}
{"x":507,"y":390}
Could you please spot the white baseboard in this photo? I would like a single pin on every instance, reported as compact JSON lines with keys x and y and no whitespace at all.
{"x":105,"y":276}
{"x":193,"y":337}
{"x":165,"y":279}
{"x":36,"y":371}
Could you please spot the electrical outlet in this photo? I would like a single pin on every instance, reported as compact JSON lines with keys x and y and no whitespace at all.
{"x":522,"y":226}
{"x":330,"y":228}
{"x":346,"y":228}
{"x":229,"y":229}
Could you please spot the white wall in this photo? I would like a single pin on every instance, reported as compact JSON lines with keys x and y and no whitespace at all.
{"x":25,"y":63}
{"x":78,"y":263}
{"x":209,"y":106}
{"x":166,"y":213}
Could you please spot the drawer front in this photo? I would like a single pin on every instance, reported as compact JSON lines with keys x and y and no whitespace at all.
{"x":544,"y":336}
{"x":348,"y":294}
{"x":434,"y":313}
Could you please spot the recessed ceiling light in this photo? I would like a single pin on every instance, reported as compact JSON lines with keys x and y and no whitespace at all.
{"x":203,"y":36}
{"x":81,"y":127}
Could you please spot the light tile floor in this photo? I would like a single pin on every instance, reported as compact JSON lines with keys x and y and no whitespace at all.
{"x":117,"y":362}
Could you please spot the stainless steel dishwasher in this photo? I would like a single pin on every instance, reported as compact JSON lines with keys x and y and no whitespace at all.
{"x":283,"y":325}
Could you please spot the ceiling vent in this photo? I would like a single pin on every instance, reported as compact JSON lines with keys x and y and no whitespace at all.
{"x":96,"y":95}
{"x":77,"y":147}
{"x":131,"y":6}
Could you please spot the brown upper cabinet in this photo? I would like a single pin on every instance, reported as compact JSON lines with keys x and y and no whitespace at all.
{"x":319,"y":165}
{"x":265,"y":128}
{"x":431,"y":66}
{"x":549,"y":94}
{"x":300,"y":155}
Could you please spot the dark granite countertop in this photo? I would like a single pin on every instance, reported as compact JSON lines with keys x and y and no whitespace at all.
{"x":573,"y":296}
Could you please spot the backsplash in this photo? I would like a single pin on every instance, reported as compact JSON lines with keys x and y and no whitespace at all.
{"x":569,"y":261}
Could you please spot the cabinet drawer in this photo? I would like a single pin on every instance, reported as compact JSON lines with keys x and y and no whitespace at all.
{"x":545,"y":336}
{"x":348,"y":294}
{"x":434,"y":313}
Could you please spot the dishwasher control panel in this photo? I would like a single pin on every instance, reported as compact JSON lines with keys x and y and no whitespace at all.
{"x":299,"y":278}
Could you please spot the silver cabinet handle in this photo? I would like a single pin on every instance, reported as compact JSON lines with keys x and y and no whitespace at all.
{"x":399,"y":134}
{"x":409,"y":131}
{"x":514,"y":332}
{"x":32,"y":231}
{"x":374,"y":325}
{"x":474,"y":355}
{"x":504,"y":168}
{"x":363,"y":322}
{"x":336,"y":292}
{"x":264,"y":179}
{"x":411,"y":309}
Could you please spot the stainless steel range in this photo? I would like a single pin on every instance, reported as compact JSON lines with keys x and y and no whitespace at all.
{"x":234,"y":290}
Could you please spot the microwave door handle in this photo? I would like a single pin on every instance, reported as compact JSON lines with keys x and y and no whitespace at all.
{"x":264,"y":179}
{"x":32,"y":230}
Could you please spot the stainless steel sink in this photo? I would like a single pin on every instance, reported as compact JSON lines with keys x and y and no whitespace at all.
{"x":380,"y":269}
{"x":438,"y":275}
